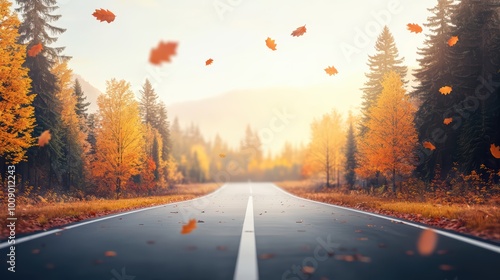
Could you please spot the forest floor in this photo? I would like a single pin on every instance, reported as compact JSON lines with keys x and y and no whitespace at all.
{"x":478,"y":220}
{"x":46,"y":215}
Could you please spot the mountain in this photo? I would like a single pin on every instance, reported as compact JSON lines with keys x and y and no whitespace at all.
{"x":90,"y":91}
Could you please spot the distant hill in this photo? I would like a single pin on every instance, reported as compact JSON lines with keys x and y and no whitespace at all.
{"x":90,"y":91}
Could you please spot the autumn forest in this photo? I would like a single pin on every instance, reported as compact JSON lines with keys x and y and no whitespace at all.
{"x":438,"y":138}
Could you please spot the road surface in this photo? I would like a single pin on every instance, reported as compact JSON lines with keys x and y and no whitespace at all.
{"x":247,"y":231}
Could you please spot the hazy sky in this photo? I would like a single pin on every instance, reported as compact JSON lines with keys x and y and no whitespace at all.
{"x":232,"y":32}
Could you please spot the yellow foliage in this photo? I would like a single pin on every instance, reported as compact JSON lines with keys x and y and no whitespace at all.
{"x":16,"y":113}
{"x":119,"y":137}
{"x":389,"y":144}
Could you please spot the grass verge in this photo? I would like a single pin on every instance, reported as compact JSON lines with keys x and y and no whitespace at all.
{"x":479,"y":220}
{"x":43,"y":216}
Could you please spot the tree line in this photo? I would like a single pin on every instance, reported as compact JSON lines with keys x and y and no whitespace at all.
{"x":384,"y":145}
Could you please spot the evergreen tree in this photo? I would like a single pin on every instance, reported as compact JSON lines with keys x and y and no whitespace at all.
{"x":81,"y":100}
{"x":350,"y":154}
{"x":148,"y":104}
{"x":385,"y":59}
{"x":476,"y":60}
{"x":434,"y":72}
{"x":163,"y":127}
{"x":47,"y":163}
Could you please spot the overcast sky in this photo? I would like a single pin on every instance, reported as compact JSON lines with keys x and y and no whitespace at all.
{"x":233,"y":32}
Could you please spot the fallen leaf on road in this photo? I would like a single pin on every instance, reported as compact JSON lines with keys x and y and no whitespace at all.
{"x":446,"y":267}
{"x":189,"y":227}
{"x":35,"y":251}
{"x":427,"y":242}
{"x":266,"y":256}
{"x":363,"y":238}
{"x":308,"y":269}
{"x":110,"y":254}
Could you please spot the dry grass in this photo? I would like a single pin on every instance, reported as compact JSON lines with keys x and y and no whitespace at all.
{"x":479,"y":220}
{"x":47,"y":215}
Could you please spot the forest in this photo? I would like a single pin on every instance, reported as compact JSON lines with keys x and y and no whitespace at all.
{"x":440,"y":138}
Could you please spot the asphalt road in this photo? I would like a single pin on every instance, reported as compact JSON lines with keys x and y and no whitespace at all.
{"x":247,"y":231}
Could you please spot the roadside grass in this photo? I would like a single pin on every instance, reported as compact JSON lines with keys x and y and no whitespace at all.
{"x":45,"y":215}
{"x":478,"y":220}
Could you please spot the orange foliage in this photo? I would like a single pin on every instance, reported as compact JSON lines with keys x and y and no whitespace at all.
{"x":189,"y":227}
{"x":413,"y":27}
{"x":271,"y":44}
{"x":163,"y":52}
{"x":104,"y":15}
{"x":299,"y":31}
{"x":35,"y":50}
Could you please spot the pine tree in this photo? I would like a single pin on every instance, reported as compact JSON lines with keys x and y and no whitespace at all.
{"x":350,"y":154}
{"x":148,"y":104}
{"x":163,"y":127}
{"x":476,"y":60}
{"x":386,"y":59}
{"x":16,"y":113}
{"x":435,"y":71}
{"x":81,"y":100}
{"x":47,"y":163}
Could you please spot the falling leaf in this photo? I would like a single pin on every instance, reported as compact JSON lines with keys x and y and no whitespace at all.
{"x":452,"y":41}
{"x":308,"y":269}
{"x":110,"y":254}
{"x":331,"y":70}
{"x":209,"y":61}
{"x":446,"y":267}
{"x":35,"y":49}
{"x":445,"y":90}
{"x":495,"y":150}
{"x":104,"y":15}
{"x":427,"y":242}
{"x":222,"y":155}
{"x":271,"y":44}
{"x":429,"y":145}
{"x":44,"y":138}
{"x":163,"y":52}
{"x":447,"y":121}
{"x":189,"y":227}
{"x":299,"y":31}
{"x":413,"y":27}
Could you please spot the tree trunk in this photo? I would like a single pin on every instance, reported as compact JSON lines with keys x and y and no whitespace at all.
{"x":394,"y":180}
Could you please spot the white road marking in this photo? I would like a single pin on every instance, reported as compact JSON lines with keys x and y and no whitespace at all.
{"x":42,"y":234}
{"x":467,"y":240}
{"x":246,"y":263}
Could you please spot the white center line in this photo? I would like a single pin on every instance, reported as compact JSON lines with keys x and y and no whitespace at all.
{"x":246,"y":263}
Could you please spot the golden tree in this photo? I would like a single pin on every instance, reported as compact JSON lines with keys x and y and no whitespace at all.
{"x":119,"y":136}
{"x":16,"y":113}
{"x":325,"y":149}
{"x":389,"y":144}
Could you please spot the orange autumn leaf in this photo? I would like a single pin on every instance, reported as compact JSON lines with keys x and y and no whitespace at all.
{"x":189,"y":227}
{"x":163,"y":52}
{"x":495,"y":150}
{"x":429,"y":145}
{"x":427,"y":242}
{"x":104,"y":15}
{"x":271,"y":44}
{"x":447,"y":121}
{"x":110,"y":254}
{"x":209,"y":61}
{"x":445,"y":90}
{"x":44,"y":138}
{"x":452,"y":41}
{"x":222,"y":155}
{"x":299,"y":31}
{"x":308,"y":269}
{"x":35,"y":49}
{"x":331,"y":70}
{"x":413,"y":27}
